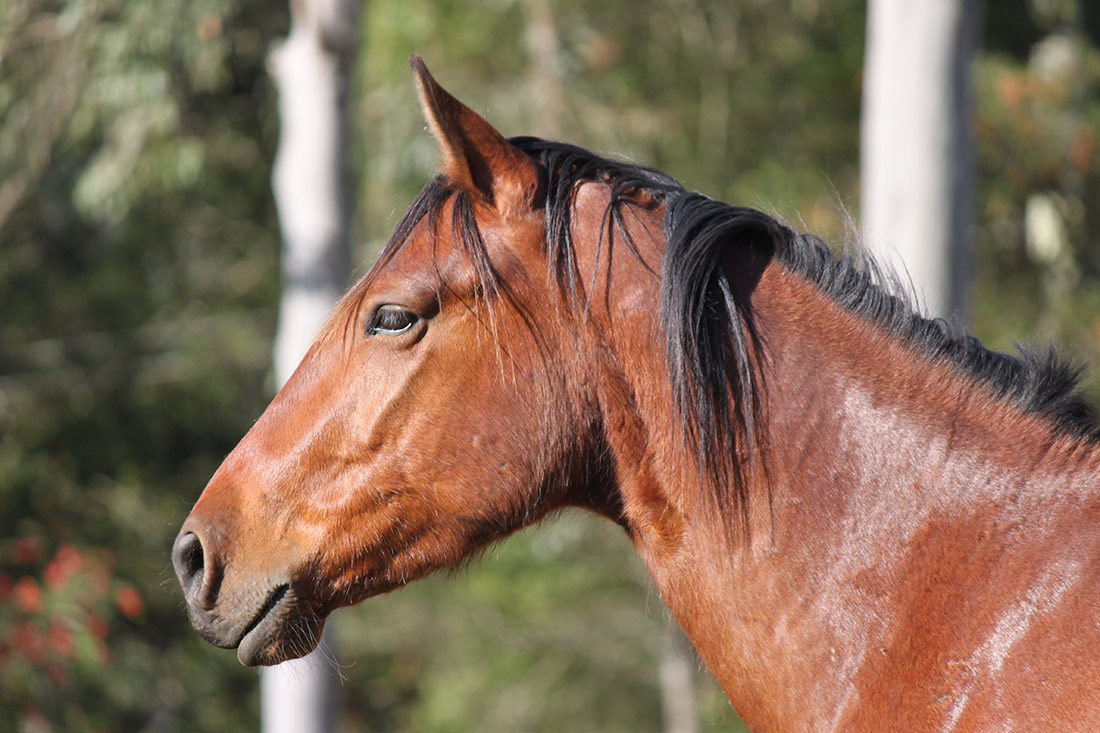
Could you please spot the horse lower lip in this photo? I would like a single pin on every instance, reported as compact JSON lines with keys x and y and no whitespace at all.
{"x":257,"y":635}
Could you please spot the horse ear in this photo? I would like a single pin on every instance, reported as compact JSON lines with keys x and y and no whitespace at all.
{"x":476,"y":157}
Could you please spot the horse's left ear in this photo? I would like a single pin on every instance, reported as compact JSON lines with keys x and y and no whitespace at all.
{"x":476,"y":157}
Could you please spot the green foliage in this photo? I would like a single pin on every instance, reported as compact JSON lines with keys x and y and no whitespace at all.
{"x":138,"y":281}
{"x":137,"y":260}
{"x":693,"y":88}
{"x":1038,"y":135}
{"x":552,"y":630}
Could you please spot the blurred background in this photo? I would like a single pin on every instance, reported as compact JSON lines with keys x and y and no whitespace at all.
{"x":139,"y":284}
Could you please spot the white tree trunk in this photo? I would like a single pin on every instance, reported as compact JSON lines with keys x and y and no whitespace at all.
{"x":676,"y":675}
{"x":311,"y":69}
{"x":917,"y":163}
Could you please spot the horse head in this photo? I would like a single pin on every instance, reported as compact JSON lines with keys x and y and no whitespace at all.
{"x":443,"y":406}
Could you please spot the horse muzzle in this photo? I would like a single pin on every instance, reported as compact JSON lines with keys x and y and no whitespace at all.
{"x":259,"y":616}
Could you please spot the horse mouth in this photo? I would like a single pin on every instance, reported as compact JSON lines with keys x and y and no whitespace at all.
{"x":276,"y":633}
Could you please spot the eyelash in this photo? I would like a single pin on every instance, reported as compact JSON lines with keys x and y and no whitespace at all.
{"x":391,"y":320}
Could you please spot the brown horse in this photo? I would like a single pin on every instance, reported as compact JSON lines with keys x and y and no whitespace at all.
{"x":862,"y":519}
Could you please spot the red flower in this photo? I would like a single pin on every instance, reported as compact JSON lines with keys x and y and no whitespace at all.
{"x":129,"y":601}
{"x":61,"y":640}
{"x":28,"y":595}
{"x":25,"y":550}
{"x":63,"y":565}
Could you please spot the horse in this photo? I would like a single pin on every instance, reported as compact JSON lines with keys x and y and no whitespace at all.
{"x":861,"y":517}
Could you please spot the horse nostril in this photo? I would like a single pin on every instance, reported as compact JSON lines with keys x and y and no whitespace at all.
{"x":187,"y":558}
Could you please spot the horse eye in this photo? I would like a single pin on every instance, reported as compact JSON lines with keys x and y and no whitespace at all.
{"x":391,"y":320}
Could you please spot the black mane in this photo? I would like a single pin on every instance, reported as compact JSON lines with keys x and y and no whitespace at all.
{"x":708,"y":327}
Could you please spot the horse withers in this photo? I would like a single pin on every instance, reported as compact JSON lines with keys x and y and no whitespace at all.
{"x":862,"y":519}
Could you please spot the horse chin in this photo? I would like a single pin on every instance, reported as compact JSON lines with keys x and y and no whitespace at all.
{"x":279,"y":632}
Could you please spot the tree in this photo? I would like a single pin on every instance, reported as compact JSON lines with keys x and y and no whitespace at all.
{"x":312,"y":69}
{"x":917,"y":164}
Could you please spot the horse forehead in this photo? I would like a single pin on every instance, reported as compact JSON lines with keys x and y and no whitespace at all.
{"x":428,"y":252}
{"x":417,"y":260}
{"x":442,"y":248}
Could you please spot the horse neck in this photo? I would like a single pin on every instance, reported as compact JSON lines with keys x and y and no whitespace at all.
{"x":873,"y":455}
